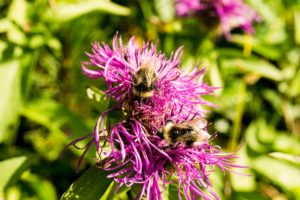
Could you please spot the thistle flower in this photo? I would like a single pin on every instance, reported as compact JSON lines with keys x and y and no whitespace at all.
{"x":173,"y":91}
{"x":230,"y":13}
{"x":138,"y":158}
{"x":137,"y":154}
{"x":187,"y":7}
{"x":234,"y":13}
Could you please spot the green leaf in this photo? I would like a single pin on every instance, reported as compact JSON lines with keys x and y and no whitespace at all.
{"x":294,"y":89}
{"x":251,"y":137}
{"x":254,"y":65}
{"x":165,"y":9}
{"x":90,"y":186}
{"x":257,"y":46}
{"x":68,"y":11}
{"x":285,"y":156}
{"x":10,"y":98}
{"x":11,"y":170}
{"x":286,"y":143}
{"x":5,"y":25}
{"x":42,"y":187}
{"x":248,"y":195}
{"x":59,"y":120}
{"x":237,"y":121}
{"x":280,"y":173}
{"x":239,"y":182}
{"x":273,"y":98}
{"x":173,"y":192}
{"x":297,"y":26}
{"x":215,"y":74}
{"x":19,"y":7}
{"x":94,"y":93}
{"x":110,"y":193}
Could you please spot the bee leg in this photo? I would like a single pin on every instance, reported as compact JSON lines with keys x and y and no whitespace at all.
{"x":189,"y":143}
{"x":167,"y":147}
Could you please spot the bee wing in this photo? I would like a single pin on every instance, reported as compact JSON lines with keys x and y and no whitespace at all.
{"x":203,"y":136}
{"x":200,"y":123}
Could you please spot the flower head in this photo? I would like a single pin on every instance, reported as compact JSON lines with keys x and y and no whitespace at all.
{"x":235,"y":13}
{"x":187,"y":7}
{"x":173,"y":91}
{"x":144,"y":148}
{"x":230,"y":13}
{"x":138,"y":158}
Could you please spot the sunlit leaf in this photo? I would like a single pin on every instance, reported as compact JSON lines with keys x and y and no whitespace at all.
{"x":280,"y":173}
{"x":90,"y":186}
{"x":11,"y":170}
{"x":165,"y":9}
{"x":36,"y":41}
{"x":68,"y":11}
{"x":246,"y":181}
{"x":15,"y":35}
{"x":215,"y":77}
{"x":294,"y":89}
{"x":286,"y":143}
{"x":111,"y":193}
{"x":64,"y":126}
{"x":13,"y":193}
{"x":257,"y":46}
{"x":288,"y":157}
{"x":260,"y":67}
{"x":297,"y":26}
{"x":17,"y":12}
{"x":248,"y":195}
{"x":10,"y":98}
{"x":251,"y":137}
{"x":5,"y":25}
{"x":52,"y":114}
{"x":273,"y":98}
{"x":95,"y":93}
{"x":43,"y":188}
{"x":239,"y":111}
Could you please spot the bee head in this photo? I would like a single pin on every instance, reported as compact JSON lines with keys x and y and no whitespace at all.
{"x":175,"y":133}
{"x":144,"y":82}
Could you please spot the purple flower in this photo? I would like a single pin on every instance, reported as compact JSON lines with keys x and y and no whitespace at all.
{"x":138,"y":158}
{"x":234,"y":13}
{"x":175,"y":91}
{"x":133,"y":150}
{"x":230,"y":13}
{"x":187,"y":7}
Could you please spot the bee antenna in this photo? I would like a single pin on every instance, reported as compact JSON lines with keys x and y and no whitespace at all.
{"x":186,"y":118}
{"x":172,"y":111}
{"x":166,"y":117}
{"x":195,"y":114}
{"x":180,"y":109}
{"x":213,"y":136}
{"x":154,"y":86}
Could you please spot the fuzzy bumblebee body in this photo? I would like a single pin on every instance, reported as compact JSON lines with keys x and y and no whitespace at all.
{"x":143,"y":82}
{"x":190,"y":133}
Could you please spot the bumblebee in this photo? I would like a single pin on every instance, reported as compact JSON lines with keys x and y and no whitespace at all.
{"x":144,"y":81}
{"x":189,"y":133}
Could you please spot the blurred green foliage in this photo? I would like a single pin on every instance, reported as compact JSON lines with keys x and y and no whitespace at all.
{"x":44,"y":105}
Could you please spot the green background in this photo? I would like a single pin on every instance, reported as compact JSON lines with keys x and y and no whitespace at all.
{"x":44,"y":102}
